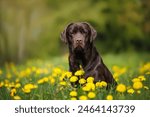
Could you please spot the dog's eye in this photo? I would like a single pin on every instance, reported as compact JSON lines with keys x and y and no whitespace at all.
{"x":71,"y":32}
{"x":84,"y":32}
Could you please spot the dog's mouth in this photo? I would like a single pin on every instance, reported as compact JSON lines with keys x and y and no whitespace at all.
{"x":79,"y":48}
{"x":79,"y":45}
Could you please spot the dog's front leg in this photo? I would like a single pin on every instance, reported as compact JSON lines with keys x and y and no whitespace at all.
{"x":73,"y":64}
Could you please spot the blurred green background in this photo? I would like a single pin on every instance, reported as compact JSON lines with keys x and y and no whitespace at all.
{"x":31,"y":28}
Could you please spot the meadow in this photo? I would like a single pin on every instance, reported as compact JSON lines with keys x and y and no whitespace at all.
{"x":49,"y":79}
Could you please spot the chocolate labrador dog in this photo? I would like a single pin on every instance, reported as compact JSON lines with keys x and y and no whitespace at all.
{"x":79,"y":37}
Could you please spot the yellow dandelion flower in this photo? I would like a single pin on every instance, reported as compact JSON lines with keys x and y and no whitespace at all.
{"x":1,"y":84}
{"x":130,"y":91}
{"x":73,"y":98}
{"x":142,"y":78}
{"x":115,"y":68}
{"x":79,"y":72}
{"x":17,"y":97}
{"x":121,"y":88}
{"x":26,"y":90}
{"x":63,"y":75}
{"x":18,"y":85}
{"x":73,"y":79}
{"x":13,"y":92}
{"x":52,"y":81}
{"x":73,"y":93}
{"x":101,"y":84}
{"x":83,"y":97}
{"x":135,"y":80}
{"x":61,"y":78}
{"x":118,"y":71}
{"x":89,"y":87}
{"x":11,"y":84}
{"x":82,"y":81}
{"x":137,"y":85}
{"x":28,"y":71}
{"x":6,"y":85}
{"x":57,"y":71}
{"x":40,"y":81}
{"x":54,"y":74}
{"x":91,"y":95}
{"x":116,"y":76}
{"x":45,"y":79}
{"x":145,"y":68}
{"x":85,"y":88}
{"x":33,"y":68}
{"x":123,"y":70}
{"x":38,"y":71}
{"x":29,"y":86}
{"x":68,"y":74}
{"x":63,"y":83}
{"x":97,"y":84}
{"x":109,"y":97}
{"x":21,"y":74}
{"x":90,"y":79}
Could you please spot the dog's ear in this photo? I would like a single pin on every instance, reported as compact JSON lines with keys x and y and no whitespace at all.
{"x":63,"y":34}
{"x":93,"y":32}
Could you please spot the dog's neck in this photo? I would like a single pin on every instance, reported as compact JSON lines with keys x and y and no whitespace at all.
{"x":86,"y":57}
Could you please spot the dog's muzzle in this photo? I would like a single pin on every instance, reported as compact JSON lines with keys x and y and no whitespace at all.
{"x":79,"y":41}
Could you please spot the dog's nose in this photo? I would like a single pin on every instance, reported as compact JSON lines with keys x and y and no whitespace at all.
{"x":78,"y":41}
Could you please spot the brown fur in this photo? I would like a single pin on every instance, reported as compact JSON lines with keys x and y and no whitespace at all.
{"x":79,"y":37}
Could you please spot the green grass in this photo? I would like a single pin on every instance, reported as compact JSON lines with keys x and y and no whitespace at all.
{"x":52,"y":69}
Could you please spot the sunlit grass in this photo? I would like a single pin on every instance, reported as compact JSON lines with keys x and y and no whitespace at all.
{"x":50,"y":79}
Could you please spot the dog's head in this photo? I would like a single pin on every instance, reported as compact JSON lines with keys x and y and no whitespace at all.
{"x":78,"y":35}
